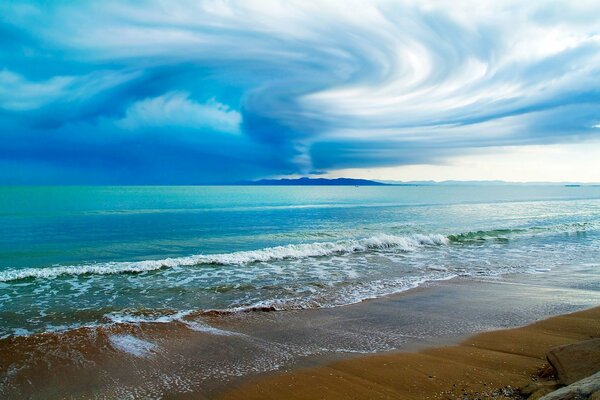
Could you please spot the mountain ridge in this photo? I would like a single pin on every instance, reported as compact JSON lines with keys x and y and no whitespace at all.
{"x":304,"y":181}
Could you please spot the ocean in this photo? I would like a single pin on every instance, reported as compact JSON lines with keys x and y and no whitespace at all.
{"x":87,"y":256}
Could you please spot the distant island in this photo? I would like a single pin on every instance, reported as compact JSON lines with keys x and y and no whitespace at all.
{"x":311,"y":182}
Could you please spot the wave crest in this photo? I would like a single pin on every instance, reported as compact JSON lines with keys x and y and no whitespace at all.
{"x":278,"y":253}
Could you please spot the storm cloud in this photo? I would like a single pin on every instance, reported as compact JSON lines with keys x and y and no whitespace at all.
{"x":218,"y":91}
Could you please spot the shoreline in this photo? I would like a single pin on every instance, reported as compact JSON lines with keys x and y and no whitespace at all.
{"x":208,"y":357}
{"x":486,"y":365}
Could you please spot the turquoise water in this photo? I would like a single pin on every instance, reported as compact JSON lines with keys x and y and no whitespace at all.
{"x":76,"y":256}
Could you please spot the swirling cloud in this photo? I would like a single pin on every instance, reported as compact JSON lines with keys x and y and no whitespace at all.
{"x":175,"y":109}
{"x":216,"y":90}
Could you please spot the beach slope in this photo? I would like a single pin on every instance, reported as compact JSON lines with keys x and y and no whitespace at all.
{"x":483,"y":366}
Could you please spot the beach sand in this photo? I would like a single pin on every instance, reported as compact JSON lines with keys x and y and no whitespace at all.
{"x":479,"y":367}
{"x":341,"y":352}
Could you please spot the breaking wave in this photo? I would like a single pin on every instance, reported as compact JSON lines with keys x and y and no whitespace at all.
{"x":500,"y":235}
{"x":291,"y":251}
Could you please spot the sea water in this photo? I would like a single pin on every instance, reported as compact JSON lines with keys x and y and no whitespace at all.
{"x":85,"y":256}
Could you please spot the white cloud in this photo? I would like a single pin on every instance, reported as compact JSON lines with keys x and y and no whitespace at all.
{"x":19,"y":94}
{"x":380,"y":65}
{"x":175,"y":109}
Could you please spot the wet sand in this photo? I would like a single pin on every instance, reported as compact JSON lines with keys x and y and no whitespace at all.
{"x":263,"y":353}
{"x":477,"y":368}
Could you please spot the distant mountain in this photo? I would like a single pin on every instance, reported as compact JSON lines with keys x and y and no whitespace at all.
{"x":311,"y":182}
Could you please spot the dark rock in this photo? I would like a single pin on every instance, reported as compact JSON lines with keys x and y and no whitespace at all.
{"x":540,"y":393}
{"x":580,"y":390}
{"x":538,"y":389}
{"x":574,"y":362}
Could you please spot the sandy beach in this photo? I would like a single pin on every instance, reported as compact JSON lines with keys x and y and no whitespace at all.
{"x":413,"y":345}
{"x":487,"y":365}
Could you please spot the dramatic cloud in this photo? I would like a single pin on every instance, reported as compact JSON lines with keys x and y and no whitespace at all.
{"x":176,"y":110}
{"x":215,"y":91}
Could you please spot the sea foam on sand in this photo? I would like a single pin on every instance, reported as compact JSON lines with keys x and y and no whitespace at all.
{"x":132,"y":345}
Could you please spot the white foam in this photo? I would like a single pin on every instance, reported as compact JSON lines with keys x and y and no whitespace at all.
{"x":21,"y":332}
{"x":345,"y":296}
{"x":132,"y":345}
{"x":203,"y":327}
{"x":124,"y":317}
{"x":291,"y":251}
{"x":198,"y":326}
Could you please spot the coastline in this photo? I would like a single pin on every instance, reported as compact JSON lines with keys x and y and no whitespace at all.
{"x":208,"y":356}
{"x":486,"y":365}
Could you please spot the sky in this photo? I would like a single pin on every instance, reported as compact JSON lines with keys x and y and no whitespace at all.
{"x":217,"y":91}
